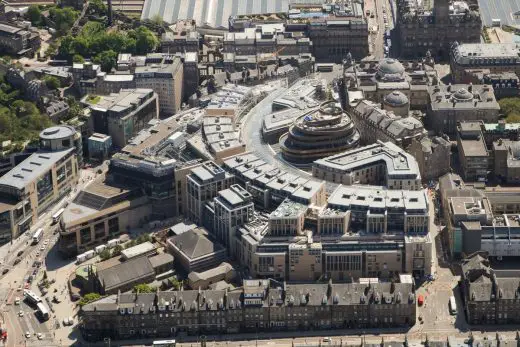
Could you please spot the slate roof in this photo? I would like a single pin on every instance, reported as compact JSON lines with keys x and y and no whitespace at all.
{"x":194,"y":244}
{"x":125,"y":272}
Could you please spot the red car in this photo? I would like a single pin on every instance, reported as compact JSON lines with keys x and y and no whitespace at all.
{"x":420,"y":300}
{"x":26,"y":285}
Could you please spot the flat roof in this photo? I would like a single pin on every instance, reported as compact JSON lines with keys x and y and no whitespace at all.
{"x":57,"y":132}
{"x":134,"y":251}
{"x":33,"y":167}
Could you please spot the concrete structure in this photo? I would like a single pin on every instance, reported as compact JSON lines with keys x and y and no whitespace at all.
{"x":182,"y":38}
{"x":328,"y":306}
{"x":451,"y":104}
{"x":433,"y":155}
{"x":382,"y":163}
{"x":319,"y":134}
{"x":221,"y":137}
{"x":467,"y":59}
{"x":474,"y":157}
{"x":122,"y":115}
{"x":422,"y":28}
{"x":378,"y":79}
{"x":375,"y":124}
{"x":99,"y":146}
{"x":166,"y":79}
{"x":100,"y":212}
{"x":32,"y":187}
{"x":143,"y":249}
{"x":488,"y":298}
{"x":203,"y":184}
{"x":506,"y":161}
{"x":194,"y":251}
{"x":61,"y":137}
{"x":18,"y":41}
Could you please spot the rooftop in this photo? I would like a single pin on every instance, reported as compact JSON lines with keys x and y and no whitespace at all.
{"x":143,"y":248}
{"x":57,"y":132}
{"x":32,"y":168}
{"x":122,"y":102}
{"x":126,"y":272}
{"x":288,"y":209}
{"x":195,"y":244}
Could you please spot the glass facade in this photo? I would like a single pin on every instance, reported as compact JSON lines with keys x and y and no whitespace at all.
{"x":5,"y":227}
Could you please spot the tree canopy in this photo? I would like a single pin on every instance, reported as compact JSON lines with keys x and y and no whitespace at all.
{"x":143,"y":288}
{"x":63,"y":18}
{"x":511,"y":108}
{"x":34,"y":15}
{"x":90,"y":297}
{"x":52,"y":82}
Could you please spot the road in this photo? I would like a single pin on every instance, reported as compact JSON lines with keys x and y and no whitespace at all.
{"x":382,"y":8}
{"x":12,"y":283}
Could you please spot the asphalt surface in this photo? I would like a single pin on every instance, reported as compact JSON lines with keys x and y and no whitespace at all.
{"x":499,"y":9}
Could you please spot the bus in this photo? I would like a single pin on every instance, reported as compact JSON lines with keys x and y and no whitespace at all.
{"x":32,"y":297}
{"x":37,"y":236}
{"x":56,"y":217}
{"x":453,"y":305}
{"x":42,"y":311}
{"x":164,"y":343}
{"x":324,"y":67}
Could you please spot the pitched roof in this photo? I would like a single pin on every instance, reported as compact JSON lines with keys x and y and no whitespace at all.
{"x":194,"y":244}
{"x":126,"y":272}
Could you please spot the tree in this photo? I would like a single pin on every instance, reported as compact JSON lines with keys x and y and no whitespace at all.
{"x":90,"y":297}
{"x":34,"y":15}
{"x":143,"y":288}
{"x":117,"y":250}
{"x":145,"y":40}
{"x":97,"y":7}
{"x":77,"y":58}
{"x":63,"y":18}
{"x":511,"y":108}
{"x":52,"y":82}
{"x":107,"y":60}
{"x":105,"y":254}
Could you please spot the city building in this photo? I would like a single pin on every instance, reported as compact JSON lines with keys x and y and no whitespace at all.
{"x":122,"y":115}
{"x":19,"y":41}
{"x":166,"y":79}
{"x":203,"y":184}
{"x":495,"y":58}
{"x":231,"y":208}
{"x":182,"y":38}
{"x":505,"y":84}
{"x":378,"y":79}
{"x":318,"y":134}
{"x":381,"y":164}
{"x":123,"y":276}
{"x":506,"y":155}
{"x":34,"y":185}
{"x":474,"y":157}
{"x":433,"y":155}
{"x":452,"y":104}
{"x":488,"y":298}
{"x":221,"y":137}
{"x":376,"y":124}
{"x":258,"y":305}
{"x":100,"y":212}
{"x":422,"y":27}
{"x":143,"y":249}
{"x":195,"y":251}
{"x":56,"y":110}
{"x":99,"y":146}
{"x":217,"y":274}
{"x":62,"y":137}
{"x":230,"y":101}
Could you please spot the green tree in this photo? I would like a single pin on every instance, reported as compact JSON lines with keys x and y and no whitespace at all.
{"x":143,"y":288}
{"x":63,"y":18}
{"x":107,"y":60}
{"x":34,"y":15}
{"x":105,"y":254}
{"x":511,"y":109}
{"x":97,"y":7}
{"x":117,"y":250}
{"x":77,"y":58}
{"x":145,"y":40}
{"x":52,"y":82}
{"x":90,"y":297}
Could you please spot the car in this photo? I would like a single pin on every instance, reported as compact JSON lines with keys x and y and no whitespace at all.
{"x":17,"y":261}
{"x":27,"y":334}
{"x":56,"y":299}
{"x":38,"y":254}
{"x":75,"y":297}
{"x":4,"y":271}
{"x":35,"y":272}
{"x":20,"y":314}
{"x":27,"y":285}
{"x":19,"y":289}
{"x":326,"y":339}
{"x":46,"y":242}
{"x":30,"y":279}
{"x":17,"y":300}
{"x":42,"y":248}
{"x":19,"y":254}
{"x":39,"y":336}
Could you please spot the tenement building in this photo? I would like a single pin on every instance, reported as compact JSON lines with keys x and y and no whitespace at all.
{"x":18,"y":41}
{"x":421,"y":29}
{"x":467,"y":59}
{"x":377,"y":79}
{"x":433,"y":156}
{"x":488,"y":296}
{"x":319,"y":134}
{"x":452,"y":104}
{"x":382,"y":163}
{"x":260,"y":305}
{"x":376,"y":124}
{"x":474,"y":157}
{"x":39,"y":181}
{"x":506,"y":155}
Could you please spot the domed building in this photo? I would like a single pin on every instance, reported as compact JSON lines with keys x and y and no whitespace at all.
{"x":319,"y":134}
{"x":398,"y":103}
{"x":376,"y":79}
{"x":451,"y":104}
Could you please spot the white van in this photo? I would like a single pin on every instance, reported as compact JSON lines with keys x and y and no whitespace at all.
{"x":453,"y":305}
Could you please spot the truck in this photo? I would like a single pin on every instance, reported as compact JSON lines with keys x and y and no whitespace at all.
{"x":453,"y":305}
{"x":496,"y":22}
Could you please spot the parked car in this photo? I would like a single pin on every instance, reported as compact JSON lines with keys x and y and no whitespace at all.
{"x":4,"y":271}
{"x":17,"y":261}
{"x":19,"y":254}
